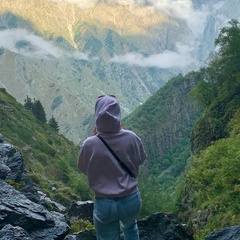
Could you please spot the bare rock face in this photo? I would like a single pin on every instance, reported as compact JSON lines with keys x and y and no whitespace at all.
{"x":81,"y":209}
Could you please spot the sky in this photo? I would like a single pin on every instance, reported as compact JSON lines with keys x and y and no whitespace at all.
{"x":184,"y":55}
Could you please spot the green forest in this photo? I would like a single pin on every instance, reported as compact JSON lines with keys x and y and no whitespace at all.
{"x":193,"y":173}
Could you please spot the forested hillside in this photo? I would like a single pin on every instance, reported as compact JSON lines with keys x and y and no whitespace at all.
{"x":164,"y":123}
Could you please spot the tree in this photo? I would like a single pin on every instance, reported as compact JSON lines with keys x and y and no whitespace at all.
{"x":28,"y":104}
{"x":38,"y":111}
{"x":53,"y":123}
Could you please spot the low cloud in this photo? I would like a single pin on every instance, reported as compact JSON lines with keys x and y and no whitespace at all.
{"x":181,"y":59}
{"x":34,"y":46}
{"x":27,"y":44}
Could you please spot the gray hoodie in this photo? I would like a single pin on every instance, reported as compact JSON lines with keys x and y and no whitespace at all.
{"x":105,"y":176}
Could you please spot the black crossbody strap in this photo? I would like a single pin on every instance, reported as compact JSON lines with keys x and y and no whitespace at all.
{"x":122,"y":164}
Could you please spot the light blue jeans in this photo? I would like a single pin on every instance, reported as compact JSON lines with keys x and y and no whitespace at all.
{"x":112,"y":213}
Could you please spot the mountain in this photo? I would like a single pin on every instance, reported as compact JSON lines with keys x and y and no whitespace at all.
{"x":190,"y":129}
{"x":62,"y":57}
{"x":66,"y":56}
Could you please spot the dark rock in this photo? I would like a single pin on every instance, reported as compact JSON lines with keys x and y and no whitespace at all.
{"x":162,"y":226}
{"x":6,"y":150}
{"x":227,"y":233}
{"x":85,"y":235}
{"x":1,"y":138}
{"x":13,"y":159}
{"x":82,"y":210}
{"x":16,"y":209}
{"x":4,"y":171}
{"x":14,"y":233}
{"x":49,"y":203}
{"x":58,"y":232}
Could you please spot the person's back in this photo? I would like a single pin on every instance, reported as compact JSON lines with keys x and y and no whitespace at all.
{"x":116,"y":193}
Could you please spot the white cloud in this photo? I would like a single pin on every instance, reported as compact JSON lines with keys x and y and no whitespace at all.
{"x":182,"y":58}
{"x":37,"y":47}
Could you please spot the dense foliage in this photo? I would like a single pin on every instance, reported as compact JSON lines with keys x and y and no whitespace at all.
{"x":219,"y":90}
{"x":212,"y":185}
{"x":200,"y":186}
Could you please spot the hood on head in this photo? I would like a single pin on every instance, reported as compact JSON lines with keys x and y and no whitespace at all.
{"x":108,"y":114}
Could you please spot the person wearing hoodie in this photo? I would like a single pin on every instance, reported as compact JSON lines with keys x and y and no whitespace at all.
{"x":117,"y":199}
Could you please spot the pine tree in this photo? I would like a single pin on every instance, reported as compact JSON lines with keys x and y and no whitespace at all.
{"x":28,"y":104}
{"x":38,"y":111}
{"x":53,"y":123}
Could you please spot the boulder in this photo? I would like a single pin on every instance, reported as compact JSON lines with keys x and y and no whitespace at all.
{"x":16,"y":209}
{"x":12,"y":158}
{"x":227,"y":233}
{"x":10,"y":232}
{"x":163,"y":226}
{"x":4,"y":171}
{"x":81,"y":210}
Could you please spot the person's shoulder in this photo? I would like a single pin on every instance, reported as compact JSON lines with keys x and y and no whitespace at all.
{"x":89,"y":141}
{"x":129,"y":133}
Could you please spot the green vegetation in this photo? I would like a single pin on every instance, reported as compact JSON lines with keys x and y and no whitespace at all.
{"x":36,"y":108}
{"x":51,"y":160}
{"x":164,"y":123}
{"x":80,"y":225}
{"x":219,"y":90}
{"x":53,"y":123}
{"x":212,"y":184}
{"x":196,"y":177}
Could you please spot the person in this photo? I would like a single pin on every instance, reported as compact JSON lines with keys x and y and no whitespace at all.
{"x":117,"y":198}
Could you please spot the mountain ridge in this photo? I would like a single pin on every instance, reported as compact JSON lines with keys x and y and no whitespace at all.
{"x":74,"y":61}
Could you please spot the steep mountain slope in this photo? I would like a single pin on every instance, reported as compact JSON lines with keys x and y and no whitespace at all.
{"x":50,"y":158}
{"x":210,"y":196}
{"x":45,"y":63}
{"x":164,"y":123}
